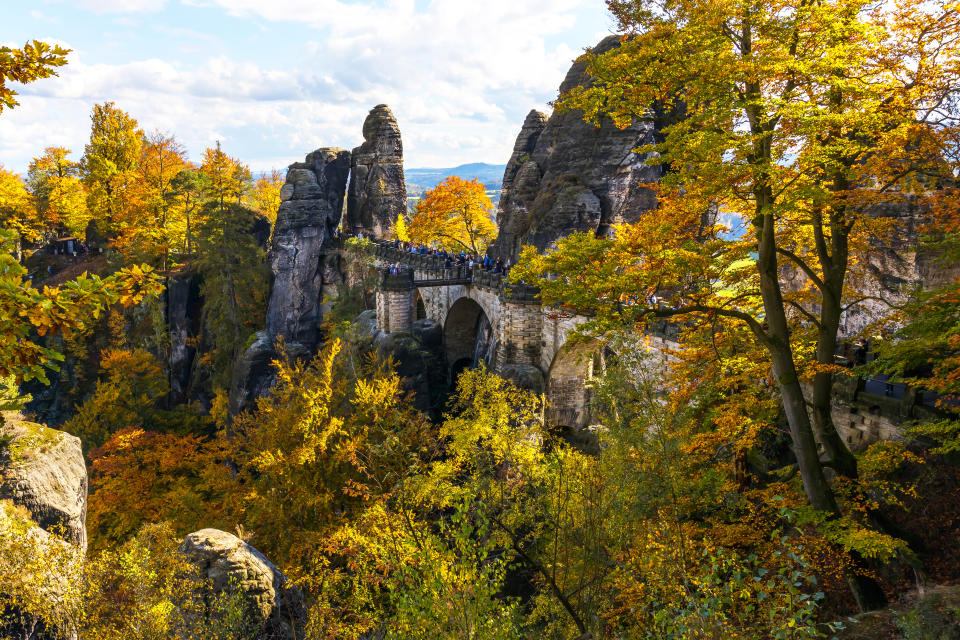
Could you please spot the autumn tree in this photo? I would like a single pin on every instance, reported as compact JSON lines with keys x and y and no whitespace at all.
{"x":265,"y":194}
{"x":17,"y":214}
{"x":798,"y":121}
{"x":141,"y":476}
{"x":109,"y":161}
{"x":455,"y":215}
{"x":33,"y":61}
{"x":400,"y":228}
{"x":58,"y":192}
{"x":188,"y":190}
{"x":158,"y":226}
{"x":228,"y":177}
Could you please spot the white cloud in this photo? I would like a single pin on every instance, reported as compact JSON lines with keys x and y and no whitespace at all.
{"x":459,"y":76}
{"x":120,"y":6}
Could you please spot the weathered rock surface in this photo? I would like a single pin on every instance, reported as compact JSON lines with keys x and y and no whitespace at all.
{"x":184,"y":317}
{"x":274,"y":605}
{"x":526,"y":376}
{"x":420,"y":362}
{"x":43,"y":471}
{"x":378,"y":193}
{"x":567,"y":175}
{"x":310,"y":211}
{"x":303,"y":265}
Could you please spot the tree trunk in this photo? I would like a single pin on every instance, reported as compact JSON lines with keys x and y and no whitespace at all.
{"x":778,"y":345}
{"x":836,"y":451}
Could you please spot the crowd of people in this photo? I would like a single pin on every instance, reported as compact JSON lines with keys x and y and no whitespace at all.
{"x":451,"y":260}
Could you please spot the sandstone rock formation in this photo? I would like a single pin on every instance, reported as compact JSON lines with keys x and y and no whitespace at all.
{"x":312,"y":200}
{"x":378,"y":193}
{"x":567,"y":175}
{"x":275,"y":606}
{"x":43,"y":471}
{"x":184,"y":316}
{"x":304,"y":269}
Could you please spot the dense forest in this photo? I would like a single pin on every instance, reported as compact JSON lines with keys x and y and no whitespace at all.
{"x":714,"y":493}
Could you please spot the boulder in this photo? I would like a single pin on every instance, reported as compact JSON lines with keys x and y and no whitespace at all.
{"x":43,"y":471}
{"x":252,"y":374}
{"x":422,"y":366}
{"x":567,"y":175}
{"x":364,"y":327}
{"x":428,"y":332}
{"x":378,"y":192}
{"x":274,"y":605}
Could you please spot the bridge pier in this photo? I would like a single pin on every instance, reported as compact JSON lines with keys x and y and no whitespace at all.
{"x":395,"y":302}
{"x":521,"y":326}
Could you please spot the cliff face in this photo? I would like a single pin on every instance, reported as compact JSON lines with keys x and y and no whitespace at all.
{"x":566,"y":175}
{"x":303,"y":269}
{"x":184,"y":319}
{"x":43,"y":471}
{"x":312,"y":200}
{"x":378,"y":193}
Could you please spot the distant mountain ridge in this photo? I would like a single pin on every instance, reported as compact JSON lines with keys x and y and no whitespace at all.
{"x":424,"y":179}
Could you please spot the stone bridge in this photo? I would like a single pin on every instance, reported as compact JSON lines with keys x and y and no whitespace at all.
{"x":486,"y":319}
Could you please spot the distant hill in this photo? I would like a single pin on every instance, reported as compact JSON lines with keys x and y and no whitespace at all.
{"x":421,"y":180}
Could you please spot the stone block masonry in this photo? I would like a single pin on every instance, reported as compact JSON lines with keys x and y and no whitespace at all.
{"x":530,"y":337}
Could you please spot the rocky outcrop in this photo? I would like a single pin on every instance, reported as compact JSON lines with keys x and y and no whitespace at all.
{"x":184,"y":317}
{"x":43,"y":471}
{"x":567,"y":175}
{"x":378,"y":193}
{"x":312,"y":200}
{"x":304,"y":267}
{"x":274,"y":606}
{"x":418,"y":354}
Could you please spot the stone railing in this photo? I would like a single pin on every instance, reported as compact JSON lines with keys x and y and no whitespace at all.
{"x":441,"y":274}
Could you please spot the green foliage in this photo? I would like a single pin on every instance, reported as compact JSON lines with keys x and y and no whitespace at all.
{"x":355,"y":291}
{"x":925,"y":353}
{"x":235,"y":284}
{"x":26,"y":312}
{"x":931,"y":619}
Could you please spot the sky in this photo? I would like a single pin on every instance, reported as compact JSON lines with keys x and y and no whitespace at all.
{"x":274,"y":79}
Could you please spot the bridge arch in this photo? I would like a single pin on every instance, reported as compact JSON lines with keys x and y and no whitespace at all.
{"x":419,"y":309}
{"x":469,"y":335}
{"x":567,"y":391}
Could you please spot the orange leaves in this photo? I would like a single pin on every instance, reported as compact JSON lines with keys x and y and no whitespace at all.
{"x":141,"y":476}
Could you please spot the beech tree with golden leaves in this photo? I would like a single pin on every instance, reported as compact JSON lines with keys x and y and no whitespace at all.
{"x":59,"y":196}
{"x":799,"y":121}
